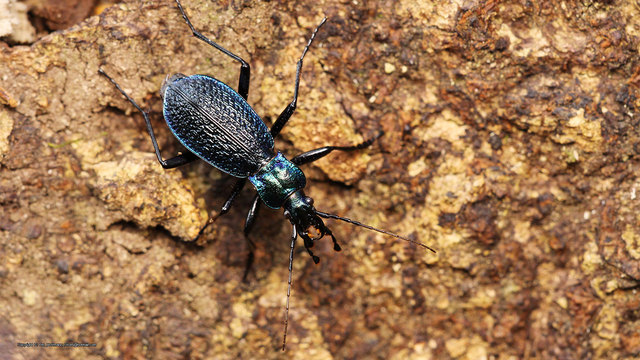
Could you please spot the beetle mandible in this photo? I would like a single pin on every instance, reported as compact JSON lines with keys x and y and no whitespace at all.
{"x":216,"y":124}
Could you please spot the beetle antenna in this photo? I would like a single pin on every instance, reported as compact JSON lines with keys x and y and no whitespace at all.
{"x":286,"y":311}
{"x":357,"y":223}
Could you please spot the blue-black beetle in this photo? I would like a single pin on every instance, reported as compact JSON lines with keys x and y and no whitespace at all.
{"x":216,"y":124}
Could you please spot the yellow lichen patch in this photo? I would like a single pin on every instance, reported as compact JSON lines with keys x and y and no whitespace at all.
{"x":417,"y":167}
{"x":456,"y":347}
{"x":445,"y":126}
{"x":6,"y":125}
{"x":483,"y":298}
{"x":418,"y":351}
{"x":200,"y":299}
{"x":631,"y":11}
{"x":312,"y":345}
{"x":441,"y":14}
{"x":461,"y":259}
{"x":242,"y":319}
{"x":631,"y":239}
{"x":90,"y":151}
{"x":606,"y":325}
{"x":30,"y":297}
{"x":584,"y":133}
{"x":7,"y":98}
{"x":473,"y":348}
{"x":140,"y":190}
{"x":452,"y":186}
{"x":522,"y":231}
{"x":79,"y":316}
{"x":528,"y":41}
{"x":478,"y":349}
{"x":568,"y":40}
{"x":562,"y":302}
{"x":386,"y":282}
{"x":591,"y":260}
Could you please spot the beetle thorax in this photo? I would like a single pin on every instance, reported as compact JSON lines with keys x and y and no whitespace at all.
{"x":277,"y":180}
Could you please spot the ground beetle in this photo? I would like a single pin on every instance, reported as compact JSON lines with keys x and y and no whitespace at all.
{"x":216,"y":124}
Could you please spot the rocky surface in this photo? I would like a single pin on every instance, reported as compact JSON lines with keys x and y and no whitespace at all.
{"x":511,"y":147}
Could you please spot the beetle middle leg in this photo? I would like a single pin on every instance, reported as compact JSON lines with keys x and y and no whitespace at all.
{"x":248,"y":225}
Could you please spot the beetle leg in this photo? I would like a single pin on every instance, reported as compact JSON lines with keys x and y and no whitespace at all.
{"x":248,"y":225}
{"x":171,"y":163}
{"x":336,"y":246}
{"x":288,"y":111}
{"x":313,"y":155}
{"x":177,"y":161}
{"x":225,"y":208}
{"x":234,"y":193}
{"x":249,"y":262}
{"x":251,"y":215}
{"x":308,"y":244}
{"x":245,"y":69}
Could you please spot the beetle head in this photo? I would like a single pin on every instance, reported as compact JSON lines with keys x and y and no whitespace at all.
{"x":298,"y":208}
{"x":300,"y":211}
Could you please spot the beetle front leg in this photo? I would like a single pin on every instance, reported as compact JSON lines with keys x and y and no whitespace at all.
{"x":313,"y":155}
{"x":239,"y":185}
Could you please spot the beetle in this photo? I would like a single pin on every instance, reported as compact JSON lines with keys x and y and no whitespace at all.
{"x":216,"y":124}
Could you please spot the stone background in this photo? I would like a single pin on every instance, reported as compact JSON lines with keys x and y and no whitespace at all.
{"x":511,"y":147}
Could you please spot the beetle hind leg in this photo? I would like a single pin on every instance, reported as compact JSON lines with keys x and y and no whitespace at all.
{"x":289,"y":110}
{"x":245,"y":69}
{"x":171,"y":163}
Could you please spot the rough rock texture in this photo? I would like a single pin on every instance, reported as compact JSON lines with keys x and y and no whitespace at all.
{"x":511,"y":147}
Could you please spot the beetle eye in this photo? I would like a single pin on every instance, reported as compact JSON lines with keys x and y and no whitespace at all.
{"x":308,"y":200}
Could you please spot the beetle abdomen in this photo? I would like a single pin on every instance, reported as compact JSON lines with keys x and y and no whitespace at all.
{"x":215,"y":123}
